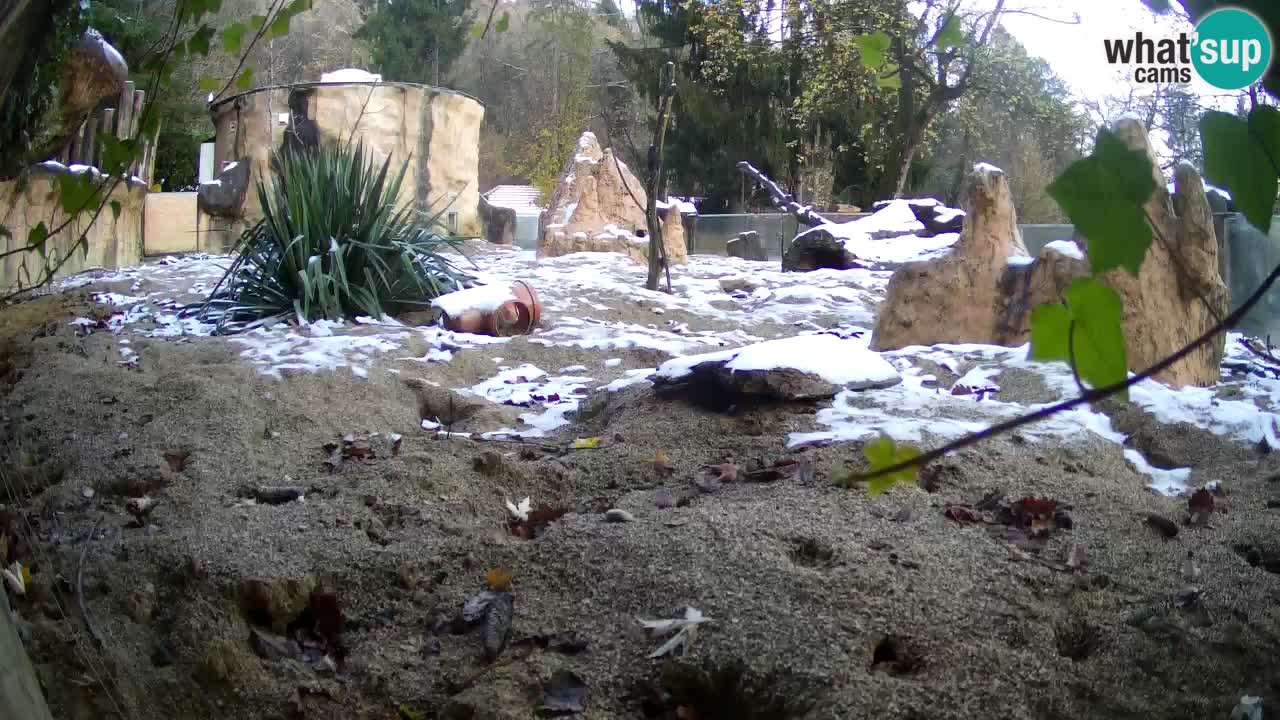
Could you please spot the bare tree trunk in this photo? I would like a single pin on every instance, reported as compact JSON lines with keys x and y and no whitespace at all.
{"x":658,"y":250}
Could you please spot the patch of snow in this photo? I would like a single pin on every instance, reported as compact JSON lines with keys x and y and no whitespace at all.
{"x":987,"y":168}
{"x":230,"y":166}
{"x":214,"y":181}
{"x":350,"y":75}
{"x":1166,"y":482}
{"x":946,"y":215}
{"x":834,"y":359}
{"x":53,"y":165}
{"x":1020,"y":260}
{"x":897,"y":216}
{"x":1065,"y":248}
{"x":483,"y":298}
{"x":613,"y":362}
{"x":630,"y":378}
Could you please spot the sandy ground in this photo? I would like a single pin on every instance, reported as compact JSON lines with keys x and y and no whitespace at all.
{"x":823,"y":602}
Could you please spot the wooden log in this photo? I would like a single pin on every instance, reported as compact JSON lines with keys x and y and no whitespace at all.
{"x":124,"y":114}
{"x":782,"y":199}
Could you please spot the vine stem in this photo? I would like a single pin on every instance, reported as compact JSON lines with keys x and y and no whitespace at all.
{"x":1084,"y":398}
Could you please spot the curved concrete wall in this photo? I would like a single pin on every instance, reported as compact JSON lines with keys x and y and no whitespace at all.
{"x":436,"y":130}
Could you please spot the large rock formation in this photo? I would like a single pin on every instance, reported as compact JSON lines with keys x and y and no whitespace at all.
{"x":598,"y":206}
{"x":984,"y":290}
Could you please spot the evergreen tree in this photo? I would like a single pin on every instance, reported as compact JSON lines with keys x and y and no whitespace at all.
{"x":416,"y":40}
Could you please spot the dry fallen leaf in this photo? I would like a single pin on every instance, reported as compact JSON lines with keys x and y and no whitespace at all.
{"x":177,"y":459}
{"x":586,"y":443}
{"x":662,"y":465}
{"x":498,"y":579}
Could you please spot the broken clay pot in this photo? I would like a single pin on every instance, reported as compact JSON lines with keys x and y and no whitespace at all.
{"x":514,"y":317}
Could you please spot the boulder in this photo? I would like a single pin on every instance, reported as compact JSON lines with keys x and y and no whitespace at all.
{"x":803,"y":367}
{"x":599,"y":206}
{"x":984,"y":290}
{"x":746,"y":246}
{"x":932,"y":214}
{"x":499,"y":223}
{"x":953,"y":299}
{"x":224,"y":195}
{"x":819,"y":248}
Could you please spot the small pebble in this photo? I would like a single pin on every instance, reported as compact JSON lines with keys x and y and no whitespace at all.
{"x":618,"y":515}
{"x":87,"y":492}
{"x":664,"y":498}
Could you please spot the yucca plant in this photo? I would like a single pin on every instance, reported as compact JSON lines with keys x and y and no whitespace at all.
{"x":332,"y":244}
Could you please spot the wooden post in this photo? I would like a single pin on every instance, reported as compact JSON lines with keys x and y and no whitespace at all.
{"x":139,"y":101}
{"x":91,"y":142}
{"x":108,"y":129}
{"x":77,"y":141}
{"x":152,"y":146}
{"x":124,"y":116}
{"x":657,"y":250}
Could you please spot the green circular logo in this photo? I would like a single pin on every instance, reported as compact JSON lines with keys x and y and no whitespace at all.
{"x":1232,"y":48}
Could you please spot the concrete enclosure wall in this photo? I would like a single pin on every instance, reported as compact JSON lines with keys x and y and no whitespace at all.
{"x":436,"y":131}
{"x":111,"y":241}
{"x":169,"y":223}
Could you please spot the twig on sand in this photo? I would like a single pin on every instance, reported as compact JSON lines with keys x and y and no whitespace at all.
{"x":84,"y":610}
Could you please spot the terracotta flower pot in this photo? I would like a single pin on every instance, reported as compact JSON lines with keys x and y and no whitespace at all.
{"x":514,"y":317}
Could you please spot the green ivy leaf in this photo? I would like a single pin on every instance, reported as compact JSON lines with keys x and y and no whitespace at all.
{"x":503,"y":23}
{"x":1237,"y":156}
{"x":298,"y":6}
{"x":951,"y":35}
{"x":208,"y":83}
{"x":233,"y":37}
{"x":150,"y":124}
{"x":1050,"y":325}
{"x":477,"y":31}
{"x":883,"y":452}
{"x":279,"y":26}
{"x":75,"y":191}
{"x":872,"y":49}
{"x":115,"y":210}
{"x":117,"y":154}
{"x":245,"y":81}
{"x":257,"y":22}
{"x":1097,"y":333}
{"x":893,"y":81}
{"x":199,"y":42}
{"x":1104,"y":195}
{"x":37,"y":235}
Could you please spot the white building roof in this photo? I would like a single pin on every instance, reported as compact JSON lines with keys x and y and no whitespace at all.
{"x":521,"y":198}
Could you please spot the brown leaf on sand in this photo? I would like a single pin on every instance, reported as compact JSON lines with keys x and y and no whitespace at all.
{"x":327,"y":614}
{"x":177,"y":459}
{"x":662,"y":465}
{"x":1200,"y":502}
{"x":960,"y":512}
{"x":498,"y":579}
{"x":723,"y":473}
{"x":536,"y":522}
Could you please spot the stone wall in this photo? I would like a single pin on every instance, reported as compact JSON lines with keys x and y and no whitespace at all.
{"x":436,"y":130}
{"x":169,"y":223}
{"x":112,"y":242}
